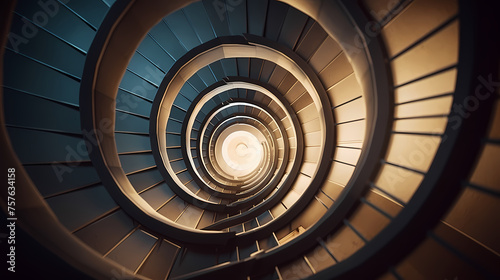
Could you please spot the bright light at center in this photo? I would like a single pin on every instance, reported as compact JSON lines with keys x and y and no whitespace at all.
{"x":241,"y":152}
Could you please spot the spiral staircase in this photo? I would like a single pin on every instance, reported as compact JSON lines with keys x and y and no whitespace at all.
{"x":254,"y":139}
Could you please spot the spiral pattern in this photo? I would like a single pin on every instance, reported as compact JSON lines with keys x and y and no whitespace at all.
{"x":263,"y":139}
